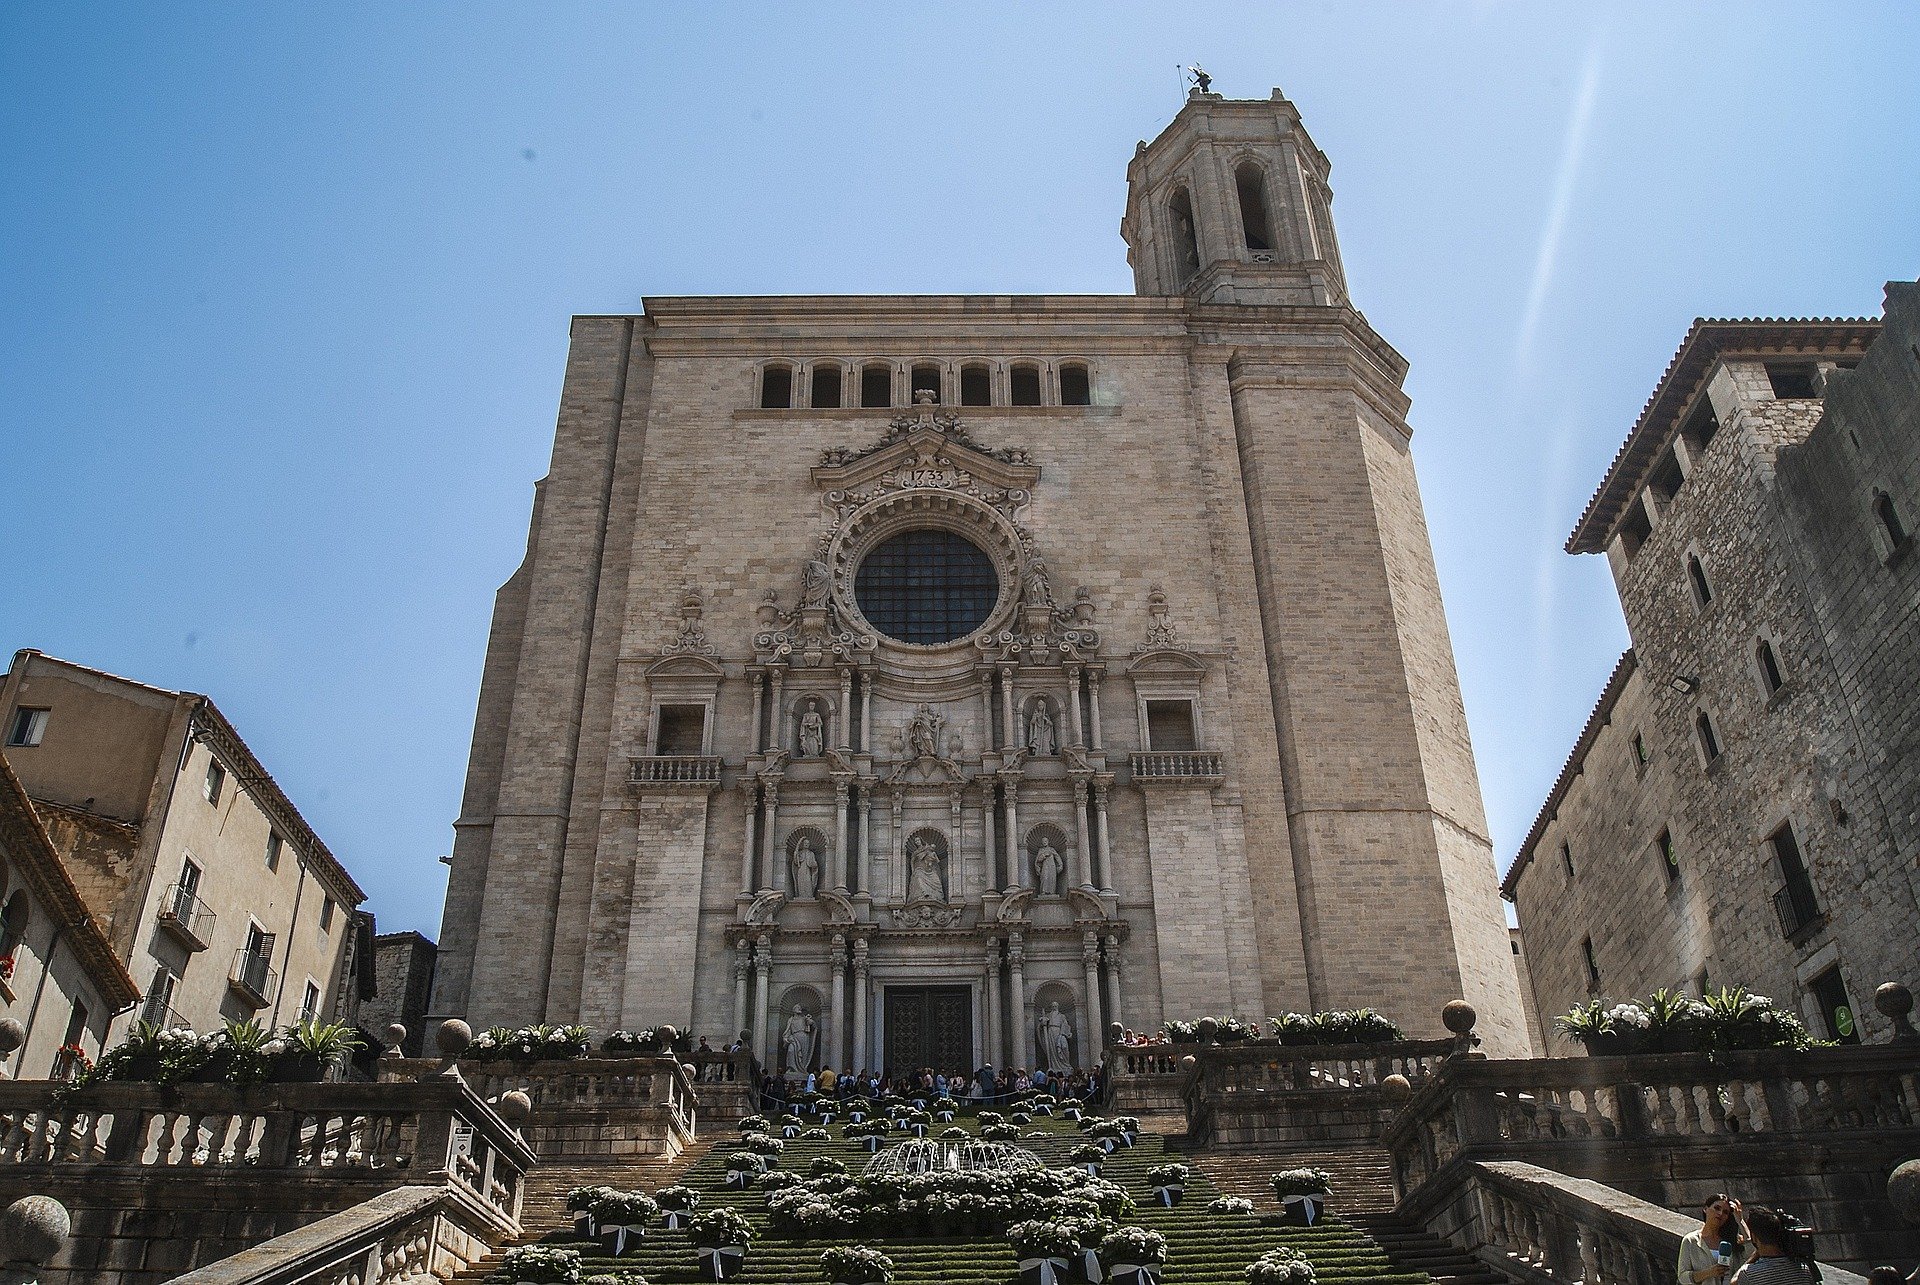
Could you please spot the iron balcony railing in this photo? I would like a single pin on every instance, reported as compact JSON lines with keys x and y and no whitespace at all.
{"x":187,"y":917}
{"x":1797,"y":908}
{"x":156,"y":1012}
{"x":253,"y":977}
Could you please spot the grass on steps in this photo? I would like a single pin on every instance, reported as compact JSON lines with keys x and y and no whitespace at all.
{"x":1202,"y":1248}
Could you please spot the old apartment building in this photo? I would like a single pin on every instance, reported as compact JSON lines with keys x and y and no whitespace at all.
{"x":214,"y":892}
{"x":933,"y":680}
{"x":1743,"y":805}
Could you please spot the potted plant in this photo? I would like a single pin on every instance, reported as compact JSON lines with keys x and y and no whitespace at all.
{"x":752,"y":1124}
{"x":777,"y":1179}
{"x":821,"y":1166}
{"x":1303,"y":1194}
{"x":540,"y":1265}
{"x":631,"y":1043}
{"x":815,"y":1134}
{"x":616,"y":1278}
{"x":986,"y":1118}
{"x":311,"y":1049}
{"x":1133,"y":1256}
{"x":620,"y":1220}
{"x":580,"y":1203}
{"x":745,"y":1166}
{"x":856,"y":1265}
{"x":1044,"y":1248}
{"x":999,"y":1132}
{"x":789,"y":1126}
{"x":720,"y":1238}
{"x":867,"y":1133}
{"x":917,"y":1122}
{"x":1169,"y":1183}
{"x":858,"y":1108}
{"x":1231,"y":1205}
{"x":764,"y":1144}
{"x":1179,"y":1032}
{"x":1088,"y":1157}
{"x":1281,"y":1266}
{"x":1021,"y":1118}
{"x":677,"y":1204}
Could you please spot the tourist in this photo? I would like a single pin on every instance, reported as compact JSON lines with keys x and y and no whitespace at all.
{"x":734,"y":1049}
{"x":1889,"y":1276}
{"x":1713,"y":1252}
{"x":1770,"y":1263}
{"x":827,"y":1080}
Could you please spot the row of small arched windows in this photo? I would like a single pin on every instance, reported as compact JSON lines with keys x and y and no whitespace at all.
{"x":832,"y":385}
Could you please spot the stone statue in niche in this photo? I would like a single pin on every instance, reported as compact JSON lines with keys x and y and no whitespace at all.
{"x":1040,"y":734}
{"x":1055,"y":1033}
{"x":797,"y":1041}
{"x":1047,"y":867}
{"x":813,"y":731}
{"x":925,"y":732}
{"x":806,"y":870}
{"x":1038,"y":590}
{"x":814,"y":584}
{"x":924,"y":864}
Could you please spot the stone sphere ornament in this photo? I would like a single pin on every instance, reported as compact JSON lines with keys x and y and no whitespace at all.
{"x":1189,"y":1062}
{"x":1116,"y":1032}
{"x":1895,"y":1002}
{"x":453,"y":1037}
{"x":1903,"y":1191}
{"x":33,"y":1228}
{"x":396,"y":1036}
{"x":667,"y":1036}
{"x":12,"y":1035}
{"x":515,"y":1107}
{"x":1396,"y":1088}
{"x":1458,"y":1016}
{"x":1207,"y":1029}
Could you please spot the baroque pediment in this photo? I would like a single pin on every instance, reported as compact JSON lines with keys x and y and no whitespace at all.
{"x":928,"y":450}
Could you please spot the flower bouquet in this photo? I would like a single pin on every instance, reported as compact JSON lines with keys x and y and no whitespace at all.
{"x":620,"y":1220}
{"x":1281,"y":1266}
{"x":1133,"y":1256}
{"x":856,"y":1265}
{"x":1302,"y":1194}
{"x":720,"y":1238}
{"x":677,"y":1204}
{"x":540,"y":1265}
{"x":1169,"y":1183}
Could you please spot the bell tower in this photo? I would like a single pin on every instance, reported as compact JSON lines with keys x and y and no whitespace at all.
{"x":1230,"y":204}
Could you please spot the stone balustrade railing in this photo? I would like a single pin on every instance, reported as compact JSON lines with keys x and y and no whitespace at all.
{"x":1162,"y":1058}
{"x":674,"y":771}
{"x":1483,"y":1107}
{"x":365,"y":1135}
{"x":1174,"y":766}
{"x":587,"y":1106}
{"x":408,"y":1235}
{"x":1264,"y":1092}
{"x":1536,"y":1225}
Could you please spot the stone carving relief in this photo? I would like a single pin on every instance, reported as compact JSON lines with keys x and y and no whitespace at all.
{"x":1044,"y":844}
{"x":1053,"y":1038}
{"x":812,"y":740}
{"x":692,"y":637}
{"x":1160,"y":630}
{"x":923,"y":731}
{"x":927,"y":867}
{"x":804,"y":850}
{"x":797,"y":1038}
{"x":766,"y":907}
{"x":1043,"y":737}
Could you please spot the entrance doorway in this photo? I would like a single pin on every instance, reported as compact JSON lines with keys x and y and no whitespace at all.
{"x":929,"y":1026}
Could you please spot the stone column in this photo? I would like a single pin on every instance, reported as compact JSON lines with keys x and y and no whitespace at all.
{"x":990,"y":975}
{"x":1093,"y":707}
{"x":958,"y":885}
{"x":988,"y":824}
{"x":1084,"y":872}
{"x":1115,"y":975}
{"x":836,"y":1040}
{"x":1102,"y":833}
{"x":1016,"y":849}
{"x":860,"y":1017}
{"x":1073,"y":704}
{"x":1011,"y":735}
{"x":776,"y":863}
{"x":866,"y":712}
{"x":759,"y":707}
{"x":986,"y":709}
{"x":762,"y":967}
{"x":845,"y":721}
{"x":1021,"y":1050}
{"x":751,"y":789}
{"x":839,"y":863}
{"x":898,"y":846}
{"x":863,"y":850}
{"x":777,"y":725}
{"x":742,"y":965}
{"x":1093,"y":1042}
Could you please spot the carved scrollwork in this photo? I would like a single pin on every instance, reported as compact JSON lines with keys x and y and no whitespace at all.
{"x":926,"y":914}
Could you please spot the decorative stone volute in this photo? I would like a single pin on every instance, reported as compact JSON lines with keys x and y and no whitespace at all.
{"x":1895,"y":1002}
{"x":1903,"y":1191}
{"x":32,"y":1231}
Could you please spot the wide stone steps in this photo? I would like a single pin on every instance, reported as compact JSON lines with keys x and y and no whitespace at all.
{"x":1204,"y":1248}
{"x":544,"y":1203}
{"x":1362,"y":1176}
{"x":1417,"y":1249}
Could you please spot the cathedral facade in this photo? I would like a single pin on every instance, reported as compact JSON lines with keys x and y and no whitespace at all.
{"x":937,"y":680}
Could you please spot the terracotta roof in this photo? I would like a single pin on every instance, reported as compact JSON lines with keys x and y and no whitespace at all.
{"x":1576,"y":762}
{"x":35,"y":857}
{"x":1707,"y":340}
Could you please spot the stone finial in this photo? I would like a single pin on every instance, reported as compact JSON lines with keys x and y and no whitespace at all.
{"x":12,"y":1036}
{"x":667,"y":1034}
{"x":33,"y":1229}
{"x":1903,"y":1191}
{"x":1894,"y":1002}
{"x":1082,"y":605}
{"x":1207,"y":1029}
{"x":1459,"y":1016}
{"x":923,"y":397}
{"x":1189,"y":1063}
{"x":514,"y":1107}
{"x":450,"y":1041}
{"x":1396,"y":1088}
{"x":396,"y":1036}
{"x":691,"y":1071}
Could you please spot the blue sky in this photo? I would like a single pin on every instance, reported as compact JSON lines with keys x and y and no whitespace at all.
{"x":284,"y":292}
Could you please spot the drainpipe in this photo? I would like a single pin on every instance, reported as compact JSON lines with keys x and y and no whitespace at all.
{"x":286,"y":961}
{"x":39,"y":989}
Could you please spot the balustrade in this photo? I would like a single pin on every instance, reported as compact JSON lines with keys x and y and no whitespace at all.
{"x":690,"y":771}
{"x":1177,"y":765}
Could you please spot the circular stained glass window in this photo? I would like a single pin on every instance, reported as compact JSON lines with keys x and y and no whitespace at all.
{"x":926,"y":587}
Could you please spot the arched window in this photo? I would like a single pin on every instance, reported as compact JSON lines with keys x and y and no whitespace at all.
{"x":926,"y":379}
{"x":826,"y":388}
{"x":1889,"y":517}
{"x":1250,"y":185}
{"x":1771,"y":679}
{"x":876,"y":384}
{"x":976,"y":386}
{"x":776,"y":388}
{"x":1023,"y":385}
{"x":1697,"y":577}
{"x":1709,"y":739}
{"x":1076,"y":388}
{"x":13,"y":922}
{"x":1186,"y":238}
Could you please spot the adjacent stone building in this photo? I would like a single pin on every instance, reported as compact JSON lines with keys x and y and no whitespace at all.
{"x":403,"y":971}
{"x":1743,"y":805}
{"x":212,"y":889}
{"x":934,"y":680}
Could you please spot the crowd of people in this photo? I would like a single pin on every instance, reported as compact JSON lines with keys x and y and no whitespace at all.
{"x":1755,"y":1247}
{"x":979,"y":1087}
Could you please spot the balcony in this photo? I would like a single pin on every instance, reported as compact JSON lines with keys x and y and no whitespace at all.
{"x":1178,"y":767}
{"x":253,"y":978}
{"x":674,"y":772}
{"x":186,"y":917}
{"x":155,"y":1012}
{"x":1797,"y":909}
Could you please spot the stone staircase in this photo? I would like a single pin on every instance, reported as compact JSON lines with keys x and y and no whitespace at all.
{"x":1204,"y":1248}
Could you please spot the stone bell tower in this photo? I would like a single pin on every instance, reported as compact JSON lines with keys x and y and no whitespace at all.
{"x":1230,"y":204}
